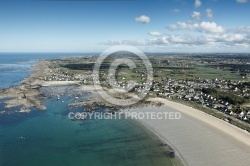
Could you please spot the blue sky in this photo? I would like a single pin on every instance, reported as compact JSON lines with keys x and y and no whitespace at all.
{"x":156,"y":26}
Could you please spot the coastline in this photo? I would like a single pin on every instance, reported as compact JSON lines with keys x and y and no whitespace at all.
{"x":197,"y":128}
{"x":211,"y":138}
{"x":27,"y":94}
{"x":234,"y":131}
{"x":179,"y":159}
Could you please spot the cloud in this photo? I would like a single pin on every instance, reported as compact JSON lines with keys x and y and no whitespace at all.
{"x":183,"y":26}
{"x":154,"y":33}
{"x":242,"y":1}
{"x":142,"y":19}
{"x":209,"y":13}
{"x":207,"y":27}
{"x":110,"y":42}
{"x":197,"y":3}
{"x":196,"y":15}
{"x":193,"y":42}
{"x":242,"y":29}
{"x":235,"y":38}
{"x":178,"y":39}
{"x":194,"y":35}
{"x":123,"y":42}
{"x":211,"y":27}
{"x":176,"y":10}
{"x":204,"y":39}
{"x":228,"y":39}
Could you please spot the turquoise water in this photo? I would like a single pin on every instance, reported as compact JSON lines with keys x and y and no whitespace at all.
{"x":49,"y":138}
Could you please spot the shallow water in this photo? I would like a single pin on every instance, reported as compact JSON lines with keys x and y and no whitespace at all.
{"x":50,"y":138}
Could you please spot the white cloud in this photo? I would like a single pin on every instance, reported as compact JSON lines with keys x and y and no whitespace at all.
{"x":207,"y":27}
{"x":154,"y":33}
{"x":209,"y":13}
{"x":142,"y":19}
{"x":159,"y":41}
{"x":176,"y":10}
{"x":178,"y":39}
{"x":211,"y":27}
{"x":242,"y":1}
{"x":196,"y":15}
{"x":201,"y":42}
{"x":235,"y":38}
{"x":197,"y":35}
{"x":110,"y":42}
{"x":183,"y":26}
{"x":243,"y":29}
{"x":205,"y":39}
{"x":197,"y":3}
{"x":123,"y":42}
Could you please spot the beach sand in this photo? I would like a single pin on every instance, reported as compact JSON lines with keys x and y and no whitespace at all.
{"x":59,"y":83}
{"x":199,"y":139}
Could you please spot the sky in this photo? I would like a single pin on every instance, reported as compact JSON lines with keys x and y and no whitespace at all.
{"x":150,"y":25}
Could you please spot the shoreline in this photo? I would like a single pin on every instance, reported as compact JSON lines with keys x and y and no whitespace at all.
{"x":239,"y":134}
{"x":164,"y":140}
{"x":195,"y":122}
{"x":178,"y":159}
{"x":199,"y":130}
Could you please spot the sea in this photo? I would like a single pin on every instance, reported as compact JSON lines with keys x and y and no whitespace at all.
{"x":50,"y":138}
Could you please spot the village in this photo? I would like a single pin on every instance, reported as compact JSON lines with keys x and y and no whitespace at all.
{"x":229,"y":97}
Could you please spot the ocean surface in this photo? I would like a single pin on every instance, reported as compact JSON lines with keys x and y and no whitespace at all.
{"x":50,"y":138}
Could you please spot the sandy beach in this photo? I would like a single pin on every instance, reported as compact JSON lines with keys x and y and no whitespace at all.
{"x":59,"y":83}
{"x":199,"y":139}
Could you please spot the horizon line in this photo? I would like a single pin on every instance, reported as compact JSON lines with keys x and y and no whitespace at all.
{"x":156,"y":52}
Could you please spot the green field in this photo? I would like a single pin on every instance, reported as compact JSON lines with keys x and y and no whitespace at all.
{"x":163,"y":66}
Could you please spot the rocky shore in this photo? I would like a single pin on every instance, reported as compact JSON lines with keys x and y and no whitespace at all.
{"x":27,"y":94}
{"x":93,"y":105}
